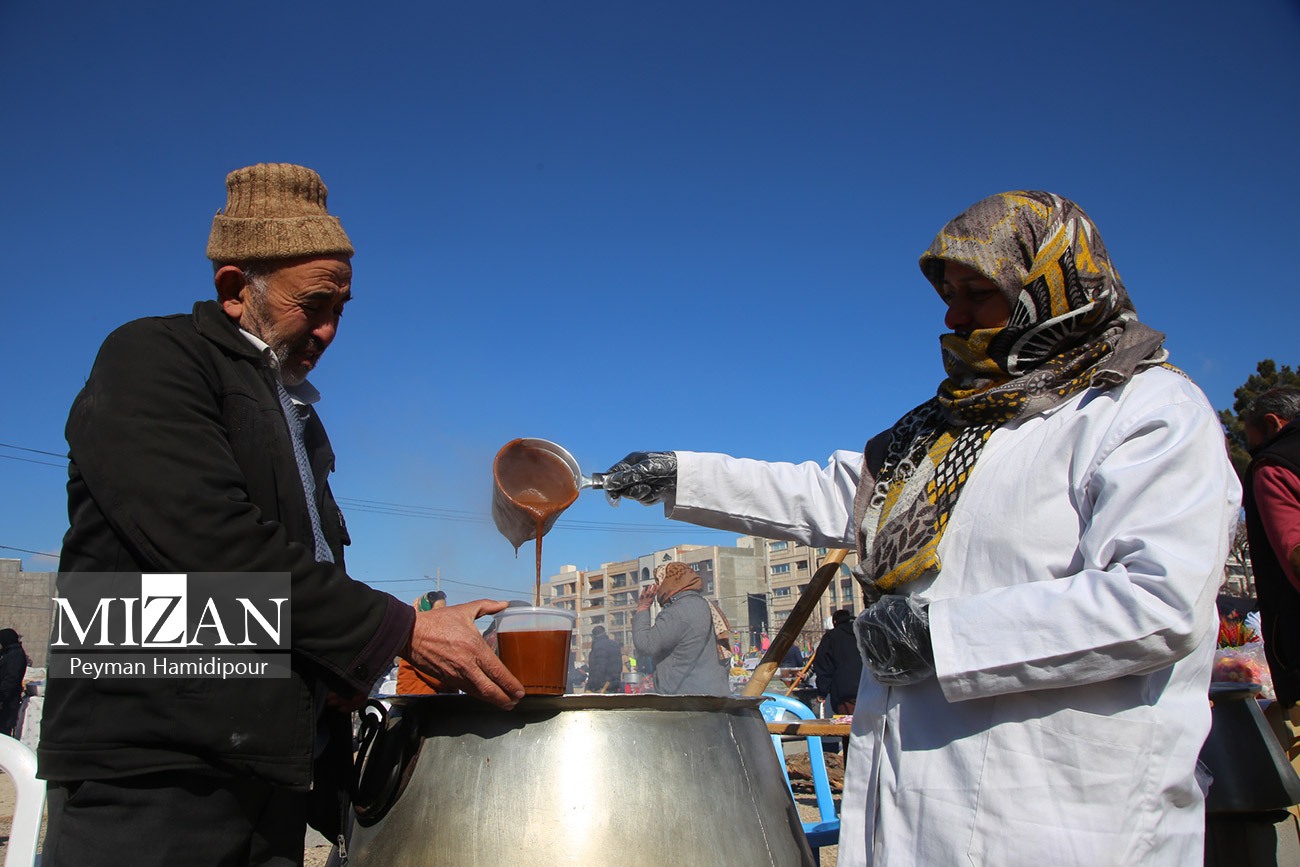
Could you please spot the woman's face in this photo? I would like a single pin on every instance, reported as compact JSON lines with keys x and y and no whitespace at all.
{"x":974,"y":301}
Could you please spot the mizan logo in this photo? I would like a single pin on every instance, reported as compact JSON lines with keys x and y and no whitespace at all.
{"x":243,"y":613}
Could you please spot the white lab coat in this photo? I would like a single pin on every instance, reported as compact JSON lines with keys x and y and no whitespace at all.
{"x":1073,"y":624}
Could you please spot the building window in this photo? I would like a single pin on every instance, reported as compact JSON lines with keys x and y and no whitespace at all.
{"x":708,"y":586}
{"x":619,"y":580}
{"x":780,"y":591}
{"x":781,"y":569}
{"x":695,"y":567}
{"x":620,"y":618}
{"x":802,"y":564}
{"x":597,"y":619}
{"x":779,"y":546}
{"x":821,"y":551}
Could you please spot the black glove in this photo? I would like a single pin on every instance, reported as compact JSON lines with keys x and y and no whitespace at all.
{"x":894,"y":637}
{"x":646,"y":477}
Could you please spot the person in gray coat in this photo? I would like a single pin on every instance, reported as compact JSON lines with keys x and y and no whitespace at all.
{"x":688,"y":640}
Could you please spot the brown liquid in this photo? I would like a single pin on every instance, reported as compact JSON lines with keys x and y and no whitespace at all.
{"x":538,"y":482}
{"x":539,"y":659}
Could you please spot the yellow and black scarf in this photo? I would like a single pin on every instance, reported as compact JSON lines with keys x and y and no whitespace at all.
{"x":1072,"y":327}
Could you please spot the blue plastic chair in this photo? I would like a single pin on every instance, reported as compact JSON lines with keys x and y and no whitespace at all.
{"x":825,"y":832}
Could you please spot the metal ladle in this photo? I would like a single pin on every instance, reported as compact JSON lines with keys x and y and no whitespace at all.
{"x":595,"y":480}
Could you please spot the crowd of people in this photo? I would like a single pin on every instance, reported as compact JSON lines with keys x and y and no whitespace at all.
{"x":1039,"y":543}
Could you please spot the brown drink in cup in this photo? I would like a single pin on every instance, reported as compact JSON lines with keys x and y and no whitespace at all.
{"x":533,"y":642}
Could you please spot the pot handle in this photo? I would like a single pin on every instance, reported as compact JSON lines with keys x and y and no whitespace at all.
{"x":377,"y":768}
{"x":374,"y":716}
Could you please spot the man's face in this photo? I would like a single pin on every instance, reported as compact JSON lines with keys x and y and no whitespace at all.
{"x":298,"y":314}
{"x":1263,"y":433}
{"x":1254,"y":436}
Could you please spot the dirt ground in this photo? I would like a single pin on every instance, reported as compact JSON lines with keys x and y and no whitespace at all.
{"x":316,"y":855}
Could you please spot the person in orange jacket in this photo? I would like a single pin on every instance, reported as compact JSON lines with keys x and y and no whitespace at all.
{"x":410,"y":680}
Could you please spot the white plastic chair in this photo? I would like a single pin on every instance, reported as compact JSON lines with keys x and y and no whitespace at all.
{"x":19,"y":763}
{"x":825,"y":831}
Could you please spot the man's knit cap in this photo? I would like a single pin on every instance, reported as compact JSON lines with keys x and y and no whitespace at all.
{"x":275,"y":211}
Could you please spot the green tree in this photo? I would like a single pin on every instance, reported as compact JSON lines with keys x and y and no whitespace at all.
{"x":1267,"y":375}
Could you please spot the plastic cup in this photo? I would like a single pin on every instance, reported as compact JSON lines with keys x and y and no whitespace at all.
{"x":533,"y":642}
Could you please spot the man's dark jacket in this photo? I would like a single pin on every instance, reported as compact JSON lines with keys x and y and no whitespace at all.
{"x":1279,"y":601}
{"x":837,"y":666}
{"x":604,"y":664}
{"x":182,"y":461}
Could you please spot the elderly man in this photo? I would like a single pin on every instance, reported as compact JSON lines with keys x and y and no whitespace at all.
{"x":195,"y":447}
{"x":1272,"y":501}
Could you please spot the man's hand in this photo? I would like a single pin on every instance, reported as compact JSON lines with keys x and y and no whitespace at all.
{"x":647,"y":596}
{"x":446,"y":645}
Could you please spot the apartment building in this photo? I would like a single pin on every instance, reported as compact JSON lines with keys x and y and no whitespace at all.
{"x":734,"y":577}
{"x":756,"y":582}
{"x":790,"y":567}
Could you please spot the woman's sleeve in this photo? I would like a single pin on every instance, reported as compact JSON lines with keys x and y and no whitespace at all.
{"x":804,"y":502}
{"x":1159,"y":507}
{"x":659,"y":640}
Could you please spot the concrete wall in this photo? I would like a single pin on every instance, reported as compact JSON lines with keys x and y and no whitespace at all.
{"x":26,"y":607}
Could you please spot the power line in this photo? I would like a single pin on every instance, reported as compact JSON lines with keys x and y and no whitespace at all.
{"x":436,"y":513}
{"x":379,"y":507}
{"x":27,"y":551}
{"x":33,"y":451}
{"x":63,"y":466}
{"x":445,"y":580}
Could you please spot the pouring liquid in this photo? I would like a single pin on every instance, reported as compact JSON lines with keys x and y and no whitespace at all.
{"x":540,"y":484}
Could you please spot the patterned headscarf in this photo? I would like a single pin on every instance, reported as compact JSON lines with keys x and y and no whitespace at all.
{"x":1072,"y":327}
{"x":674,"y":578}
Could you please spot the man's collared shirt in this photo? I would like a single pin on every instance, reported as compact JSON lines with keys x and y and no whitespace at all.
{"x":302,"y":394}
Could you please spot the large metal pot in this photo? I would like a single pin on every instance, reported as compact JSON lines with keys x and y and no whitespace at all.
{"x":577,"y":779}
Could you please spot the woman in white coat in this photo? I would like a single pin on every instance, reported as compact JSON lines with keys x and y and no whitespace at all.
{"x":1041,"y":544}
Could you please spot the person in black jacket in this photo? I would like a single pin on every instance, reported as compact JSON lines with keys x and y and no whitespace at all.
{"x":837,"y":664}
{"x":13,"y":665}
{"x":195,"y":448}
{"x":604,"y":663}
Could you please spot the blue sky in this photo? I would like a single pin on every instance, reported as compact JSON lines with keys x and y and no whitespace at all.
{"x":623,"y":225}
